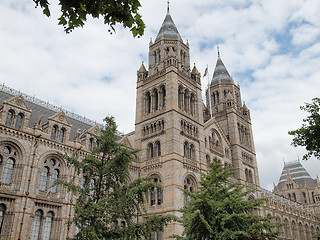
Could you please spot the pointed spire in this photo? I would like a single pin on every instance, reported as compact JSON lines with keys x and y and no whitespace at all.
{"x":142,"y":68}
{"x":195,"y":70}
{"x":168,"y":30}
{"x":221,"y":73}
{"x":295,"y":171}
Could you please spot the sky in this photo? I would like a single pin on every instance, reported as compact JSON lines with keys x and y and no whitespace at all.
{"x":270,"y":47}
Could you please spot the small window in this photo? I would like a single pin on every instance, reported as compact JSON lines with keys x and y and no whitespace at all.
{"x":90,"y":147}
{"x":6,"y":150}
{"x":9,"y":119}
{"x":61,"y":135}
{"x":19,"y":121}
{"x":54,"y":132}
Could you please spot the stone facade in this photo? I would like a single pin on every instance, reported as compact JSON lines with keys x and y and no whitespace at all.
{"x":178,"y":136}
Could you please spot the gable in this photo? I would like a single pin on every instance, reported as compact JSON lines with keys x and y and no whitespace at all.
{"x":60,"y":117}
{"x":18,"y":102}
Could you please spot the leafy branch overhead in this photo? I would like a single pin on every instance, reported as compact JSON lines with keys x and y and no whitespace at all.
{"x":74,"y":13}
{"x":308,"y":135}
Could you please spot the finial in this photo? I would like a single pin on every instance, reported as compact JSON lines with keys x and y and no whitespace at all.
{"x":298,"y":157}
{"x":284,"y":162}
{"x":218,"y":48}
{"x":168,"y":2}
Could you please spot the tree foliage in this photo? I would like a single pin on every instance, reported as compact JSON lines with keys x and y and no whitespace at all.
{"x":108,"y":204}
{"x":218,"y":210}
{"x":74,"y":13}
{"x":309,"y":134}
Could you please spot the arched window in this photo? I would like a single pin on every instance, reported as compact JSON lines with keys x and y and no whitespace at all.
{"x":9,"y":119}
{"x":54,"y":177}
{"x":19,"y":121}
{"x":294,"y":198}
{"x":43,"y":179}
{"x":192,"y":104}
{"x":180,"y":98}
{"x":186,"y":100}
{"x":3,"y":209}
{"x":289,"y":196}
{"x":313,"y":199}
{"x":148,"y":102}
{"x":35,"y":230}
{"x":208,"y":159}
{"x":50,"y":173}
{"x":164,"y":96}
{"x":304,"y":197}
{"x":150,"y":150}
{"x":192,"y":152}
{"x":186,"y":150}
{"x":90,"y":147}
{"x":247,"y":175}
{"x":61,"y":134}
{"x":250,"y":176}
{"x":156,"y":194}
{"x":158,"y":148}
{"x":156,"y":100}
{"x":54,"y":132}
{"x":8,"y":171}
{"x":46,"y":232}
{"x":190,"y":186}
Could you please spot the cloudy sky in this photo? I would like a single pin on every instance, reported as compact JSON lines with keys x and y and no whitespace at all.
{"x":271,"y":47}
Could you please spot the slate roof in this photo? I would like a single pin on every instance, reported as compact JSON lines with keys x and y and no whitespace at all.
{"x":298,"y":174}
{"x":39,"y":108}
{"x":168,"y":30}
{"x":221,"y":72}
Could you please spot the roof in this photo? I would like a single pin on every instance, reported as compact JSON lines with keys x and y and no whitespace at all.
{"x":298,"y":174}
{"x":221,"y":72}
{"x":40,"y":107}
{"x":168,"y":30}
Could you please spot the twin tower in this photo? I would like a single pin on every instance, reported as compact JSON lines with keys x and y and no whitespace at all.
{"x":178,"y":134}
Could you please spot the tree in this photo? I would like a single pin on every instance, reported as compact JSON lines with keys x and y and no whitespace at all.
{"x":218,"y":210}
{"x":309,"y":134}
{"x":74,"y":13}
{"x":108,"y":204}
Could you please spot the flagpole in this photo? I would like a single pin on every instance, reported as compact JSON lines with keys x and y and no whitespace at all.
{"x":210,"y":106}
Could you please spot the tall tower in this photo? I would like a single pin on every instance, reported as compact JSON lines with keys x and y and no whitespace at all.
{"x":234,"y":119}
{"x":169,"y":121}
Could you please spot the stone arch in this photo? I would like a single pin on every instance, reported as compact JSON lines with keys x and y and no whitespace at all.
{"x":156,"y":194}
{"x":189,"y":184}
{"x":16,"y":144}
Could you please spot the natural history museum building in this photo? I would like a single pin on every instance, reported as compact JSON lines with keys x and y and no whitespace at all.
{"x":178,"y":135}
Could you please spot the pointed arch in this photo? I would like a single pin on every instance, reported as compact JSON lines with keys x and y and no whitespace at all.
{"x":10,"y":116}
{"x":36,"y":225}
{"x":19,"y":121}
{"x":54,"y":131}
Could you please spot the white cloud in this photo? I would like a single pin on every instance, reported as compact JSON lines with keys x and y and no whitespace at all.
{"x":94,"y":74}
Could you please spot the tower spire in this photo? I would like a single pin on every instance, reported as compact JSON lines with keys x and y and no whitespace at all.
{"x":168,"y":3}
